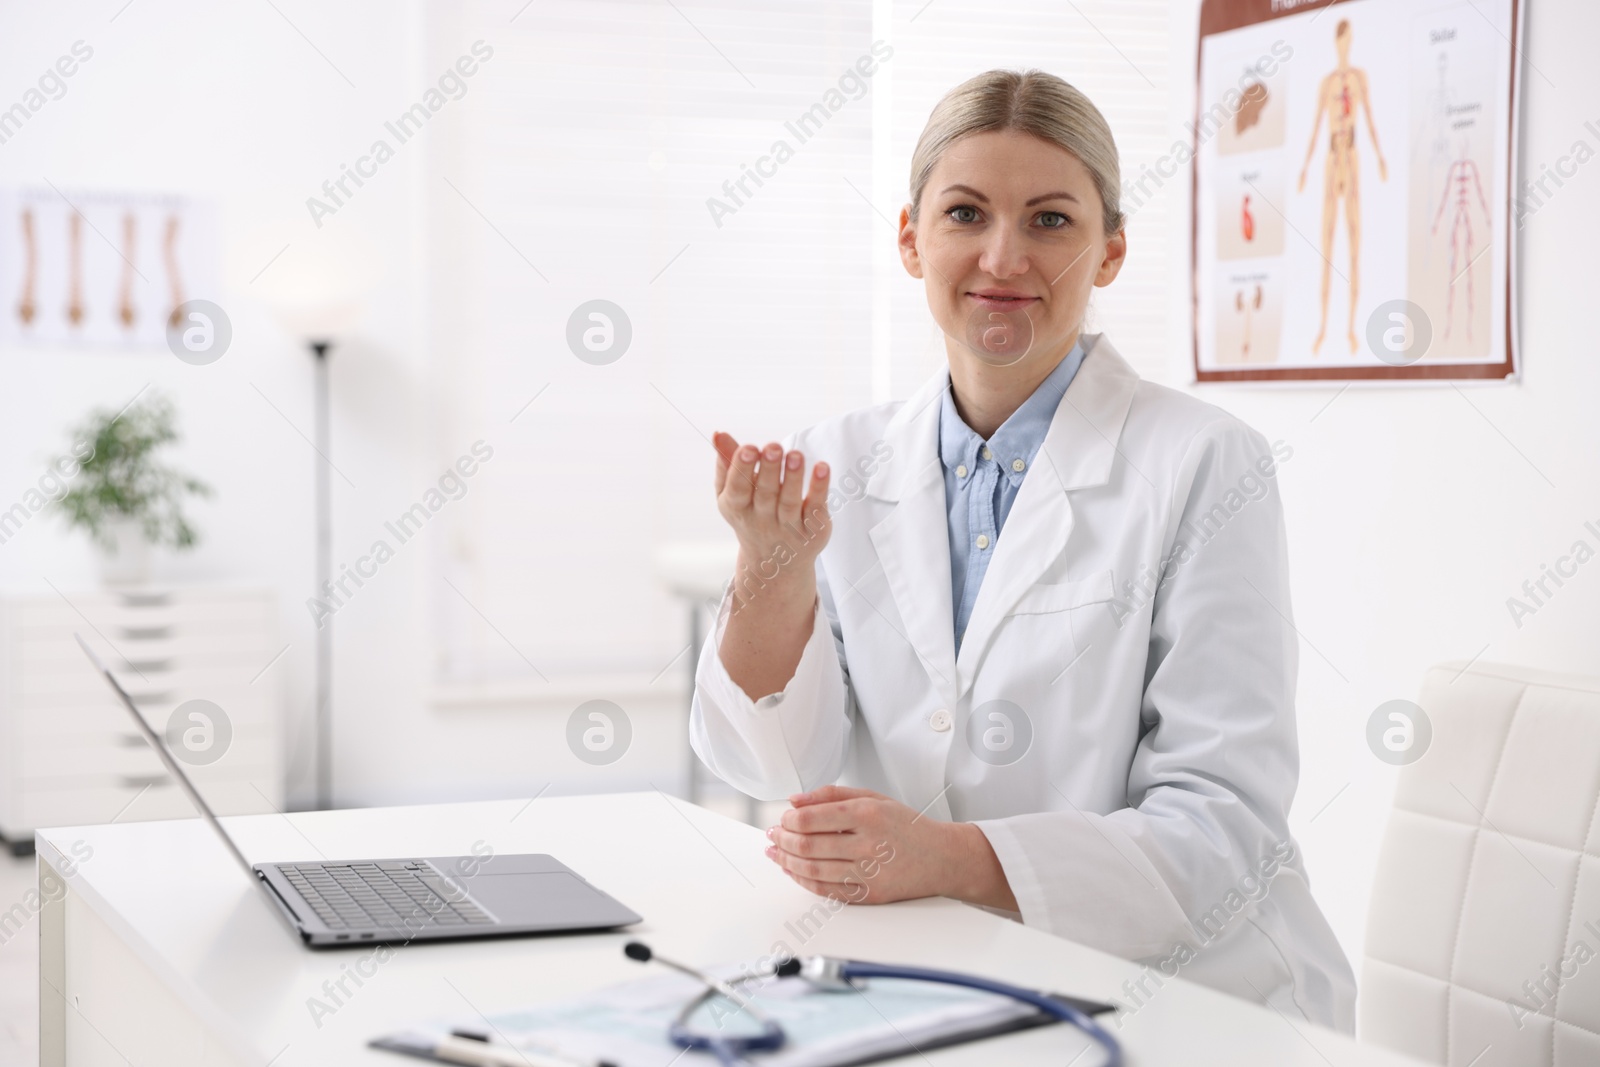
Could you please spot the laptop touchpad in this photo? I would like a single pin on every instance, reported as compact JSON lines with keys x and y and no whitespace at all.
{"x":554,"y":898}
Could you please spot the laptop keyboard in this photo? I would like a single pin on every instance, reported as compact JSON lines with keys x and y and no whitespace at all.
{"x":388,"y":895}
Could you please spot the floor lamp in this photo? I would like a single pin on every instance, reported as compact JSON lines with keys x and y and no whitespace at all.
{"x":317,"y":323}
{"x":323,"y":706}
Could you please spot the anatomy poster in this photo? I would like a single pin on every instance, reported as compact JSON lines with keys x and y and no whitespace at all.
{"x":1353,"y":193}
{"x":104,"y":269}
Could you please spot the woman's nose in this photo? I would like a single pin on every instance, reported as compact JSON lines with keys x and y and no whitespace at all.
{"x":1003,"y":255}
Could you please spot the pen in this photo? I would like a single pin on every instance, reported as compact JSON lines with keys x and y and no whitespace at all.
{"x":455,"y":1049}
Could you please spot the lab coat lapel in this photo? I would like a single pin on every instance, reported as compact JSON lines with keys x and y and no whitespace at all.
{"x":1078,"y":451}
{"x":913,"y":541}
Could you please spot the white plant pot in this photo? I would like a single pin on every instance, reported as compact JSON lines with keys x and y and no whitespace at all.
{"x":127,"y":562}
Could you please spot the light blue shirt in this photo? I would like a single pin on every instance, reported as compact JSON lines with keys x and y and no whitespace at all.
{"x":981,"y":479}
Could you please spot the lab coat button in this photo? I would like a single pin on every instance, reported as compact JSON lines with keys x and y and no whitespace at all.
{"x":940,"y":721}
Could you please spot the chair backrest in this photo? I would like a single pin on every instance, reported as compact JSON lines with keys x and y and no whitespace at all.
{"x":1483,"y":935}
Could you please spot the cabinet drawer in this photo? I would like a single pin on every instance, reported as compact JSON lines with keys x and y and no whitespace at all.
{"x":151,"y":683}
{"x":33,"y":653}
{"x":116,"y":756}
{"x":135,"y":803}
{"x":204,"y":779}
{"x":102,"y":714}
{"x":69,"y":753}
{"x":137,"y":610}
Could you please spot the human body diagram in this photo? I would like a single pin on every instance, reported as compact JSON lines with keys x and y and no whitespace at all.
{"x":1247,"y":308}
{"x":1342,"y":91}
{"x":43,"y":246}
{"x":1430,"y":139}
{"x":1460,"y":181}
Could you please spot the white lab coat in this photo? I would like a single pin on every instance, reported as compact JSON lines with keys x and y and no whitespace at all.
{"x":1148,"y":815}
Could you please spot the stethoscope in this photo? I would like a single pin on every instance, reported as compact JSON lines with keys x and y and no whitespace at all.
{"x":826,"y":972}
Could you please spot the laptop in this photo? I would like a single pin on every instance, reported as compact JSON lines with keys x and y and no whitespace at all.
{"x":368,"y":901}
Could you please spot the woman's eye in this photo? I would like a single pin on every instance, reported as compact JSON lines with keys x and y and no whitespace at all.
{"x":963,"y":213}
{"x":1053,"y":220}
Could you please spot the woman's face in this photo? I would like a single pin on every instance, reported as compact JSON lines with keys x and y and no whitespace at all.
{"x":1009,"y":241}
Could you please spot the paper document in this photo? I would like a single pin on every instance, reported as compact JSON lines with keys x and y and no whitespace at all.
{"x":627,"y":1024}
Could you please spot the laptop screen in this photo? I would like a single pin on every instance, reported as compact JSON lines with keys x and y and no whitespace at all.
{"x":174,"y":768}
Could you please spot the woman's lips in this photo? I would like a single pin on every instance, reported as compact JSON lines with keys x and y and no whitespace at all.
{"x":998,"y":302}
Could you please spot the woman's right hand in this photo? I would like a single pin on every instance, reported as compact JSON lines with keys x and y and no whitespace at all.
{"x":781,"y":530}
{"x":761,"y":494}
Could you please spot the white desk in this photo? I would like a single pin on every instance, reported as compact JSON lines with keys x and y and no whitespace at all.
{"x":161,"y":952}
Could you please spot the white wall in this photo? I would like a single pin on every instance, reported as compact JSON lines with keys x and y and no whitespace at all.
{"x":232,"y":105}
{"x":1415,"y":512}
{"x":236,"y":104}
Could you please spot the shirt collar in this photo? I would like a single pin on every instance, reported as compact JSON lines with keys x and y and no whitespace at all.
{"x":1020,"y":436}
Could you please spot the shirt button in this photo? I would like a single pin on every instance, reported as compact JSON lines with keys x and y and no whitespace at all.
{"x":983,"y":541}
{"x":1018,"y":466}
{"x":961,"y":471}
{"x":940,"y":721}
{"x":986,"y":453}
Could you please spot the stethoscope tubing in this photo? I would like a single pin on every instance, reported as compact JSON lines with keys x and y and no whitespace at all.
{"x":1044,"y":1002}
{"x":730,"y":1052}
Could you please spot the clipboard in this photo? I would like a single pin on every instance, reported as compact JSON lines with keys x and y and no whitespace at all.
{"x":626,"y":1025}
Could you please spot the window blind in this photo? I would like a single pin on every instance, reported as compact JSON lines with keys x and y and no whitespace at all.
{"x":629,"y":151}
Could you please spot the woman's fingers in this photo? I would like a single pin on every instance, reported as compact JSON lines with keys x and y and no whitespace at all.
{"x":739,"y":486}
{"x":768,"y":480}
{"x":815,"y":509}
{"x":836,"y":871}
{"x":824,"y":846}
{"x":726,"y":446}
{"x":832,"y":817}
{"x":789,"y":496}
{"x":761,"y":492}
{"x":828,"y":793}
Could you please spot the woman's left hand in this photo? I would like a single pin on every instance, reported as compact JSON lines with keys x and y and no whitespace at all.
{"x":865,"y":848}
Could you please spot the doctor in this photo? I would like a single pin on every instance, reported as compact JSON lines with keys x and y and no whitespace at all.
{"x":1040,"y":625}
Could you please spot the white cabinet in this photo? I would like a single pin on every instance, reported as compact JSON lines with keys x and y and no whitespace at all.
{"x":69,"y":754}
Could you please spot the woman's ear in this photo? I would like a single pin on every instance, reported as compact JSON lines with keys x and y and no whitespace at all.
{"x":908,"y":244}
{"x":1116,"y":253}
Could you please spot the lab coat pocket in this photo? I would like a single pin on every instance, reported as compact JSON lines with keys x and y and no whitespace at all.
{"x":1044,"y":598}
{"x":1053,"y":618}
{"x":1248,"y":960}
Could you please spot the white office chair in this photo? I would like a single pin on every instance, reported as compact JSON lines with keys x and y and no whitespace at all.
{"x":1483,"y":937}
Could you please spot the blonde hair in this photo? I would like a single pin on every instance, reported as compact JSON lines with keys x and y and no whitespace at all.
{"x":1033,"y":102}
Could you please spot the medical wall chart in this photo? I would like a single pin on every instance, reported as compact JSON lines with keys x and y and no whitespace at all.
{"x":101,"y":268}
{"x":1355,"y":196}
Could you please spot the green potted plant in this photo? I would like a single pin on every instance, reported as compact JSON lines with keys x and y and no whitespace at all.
{"x":123,"y":496}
